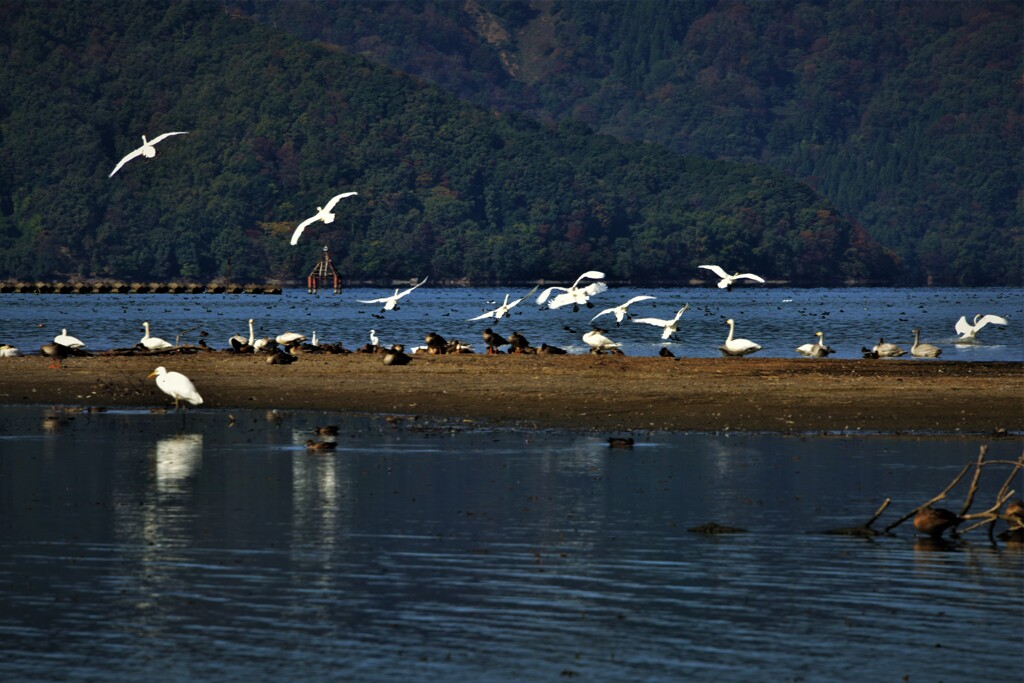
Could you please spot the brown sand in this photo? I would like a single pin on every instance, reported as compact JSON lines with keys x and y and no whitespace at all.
{"x":607,"y":393}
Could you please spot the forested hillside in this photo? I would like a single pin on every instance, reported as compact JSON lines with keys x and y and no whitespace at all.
{"x":905,"y":114}
{"x":278,"y":125}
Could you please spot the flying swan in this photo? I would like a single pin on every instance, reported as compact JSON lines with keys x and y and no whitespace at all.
{"x":391,"y":302}
{"x":147,"y":150}
{"x":669,"y":327}
{"x":322,"y":214}
{"x":967,"y":331}
{"x":504,"y":309}
{"x":621,"y":311}
{"x":575,"y":294}
{"x":726,"y":282}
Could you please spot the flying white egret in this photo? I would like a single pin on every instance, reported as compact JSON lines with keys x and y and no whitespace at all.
{"x":147,"y":150}
{"x":575,"y":294}
{"x":154,"y":343}
{"x":737,"y":347}
{"x":923,"y":350}
{"x":177,"y":386}
{"x":967,"y":331}
{"x":817,"y":349}
{"x":322,"y":214}
{"x":505,"y":308}
{"x":669,"y":327}
{"x":620,"y":311}
{"x":391,"y":302}
{"x":65,"y":339}
{"x":599,"y":343}
{"x":726,"y":282}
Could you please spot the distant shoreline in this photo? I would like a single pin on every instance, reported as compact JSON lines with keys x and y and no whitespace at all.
{"x":600,"y":393}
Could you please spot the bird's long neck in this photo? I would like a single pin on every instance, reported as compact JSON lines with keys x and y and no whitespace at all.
{"x":145,"y":326}
{"x":732,"y":326}
{"x":252,"y":336}
{"x":144,"y":140}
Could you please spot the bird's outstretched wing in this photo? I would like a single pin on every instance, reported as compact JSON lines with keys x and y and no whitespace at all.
{"x":591,"y":274}
{"x":158,"y":138}
{"x":547,"y":293}
{"x":336,"y":198}
{"x":637,"y":299}
{"x":301,"y":227}
{"x":595,"y":288}
{"x":401,"y":294}
{"x":653,"y":321}
{"x":716,"y":270}
{"x":604,"y":312}
{"x":488,"y":314}
{"x":990,"y":319}
{"x":749,"y":276}
{"x":128,"y":157}
{"x":530,"y":293}
{"x":963,"y":328}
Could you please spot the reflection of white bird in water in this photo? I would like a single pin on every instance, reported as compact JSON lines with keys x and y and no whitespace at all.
{"x":575,"y":294}
{"x":669,"y":327}
{"x":65,"y":339}
{"x":817,"y":349}
{"x":177,"y":386}
{"x":923,"y":350}
{"x":737,"y":347}
{"x":967,"y":331}
{"x":177,"y":458}
{"x":620,"y":311}
{"x":726,"y":282}
{"x":147,"y":150}
{"x":599,"y":343}
{"x":322,"y":214}
{"x":391,"y":302}
{"x":153,"y":343}
{"x":505,"y":308}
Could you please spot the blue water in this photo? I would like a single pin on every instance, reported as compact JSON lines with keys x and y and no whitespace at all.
{"x":137,"y":547}
{"x":780,"y":319}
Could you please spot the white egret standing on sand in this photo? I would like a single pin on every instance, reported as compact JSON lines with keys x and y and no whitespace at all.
{"x":923,"y":350}
{"x":599,"y":343}
{"x":154,"y":343}
{"x":177,"y":386}
{"x":669,"y":327}
{"x":817,"y":349}
{"x":737,"y":347}
{"x":65,"y":339}
{"x":374,"y":339}
{"x":726,"y":282}
{"x":322,"y":214}
{"x":967,"y":331}
{"x":575,"y":294}
{"x":147,"y":150}
{"x":391,"y":302}
{"x":620,"y":311}
{"x":505,"y":308}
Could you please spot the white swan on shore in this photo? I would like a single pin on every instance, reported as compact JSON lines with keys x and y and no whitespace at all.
{"x":923,"y":350}
{"x":817,"y":349}
{"x":65,"y":339}
{"x":148,"y":149}
{"x":599,"y":343}
{"x":154,"y":343}
{"x":737,"y":347}
{"x":323,"y":213}
{"x":726,"y":281}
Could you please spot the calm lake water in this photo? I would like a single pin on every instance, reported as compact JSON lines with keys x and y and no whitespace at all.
{"x":137,"y":547}
{"x":780,"y":319}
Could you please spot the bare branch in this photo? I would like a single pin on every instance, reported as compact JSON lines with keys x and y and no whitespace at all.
{"x":940,"y":496}
{"x":973,"y":490}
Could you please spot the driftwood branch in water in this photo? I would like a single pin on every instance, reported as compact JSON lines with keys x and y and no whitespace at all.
{"x":865,"y":528}
{"x":973,"y":490}
{"x":937,"y":498}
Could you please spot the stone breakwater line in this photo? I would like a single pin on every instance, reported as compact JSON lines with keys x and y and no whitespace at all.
{"x":136,"y":288}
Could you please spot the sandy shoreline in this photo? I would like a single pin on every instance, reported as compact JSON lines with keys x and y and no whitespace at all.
{"x":608,"y":393}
